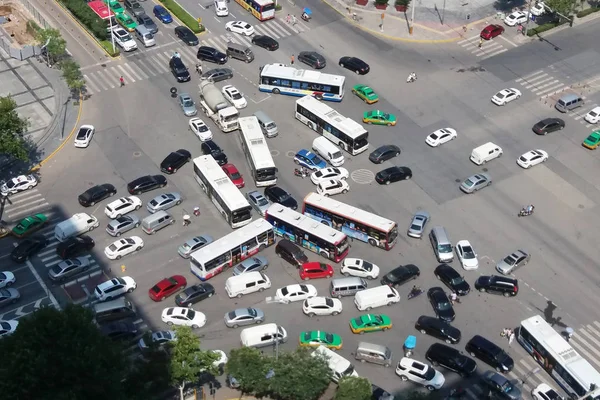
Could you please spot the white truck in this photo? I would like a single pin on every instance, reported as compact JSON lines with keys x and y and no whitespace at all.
{"x":217,"y":108}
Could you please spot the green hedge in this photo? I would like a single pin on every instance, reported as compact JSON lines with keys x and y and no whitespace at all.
{"x":87,"y":17}
{"x":107,"y":46}
{"x":587,"y":12}
{"x":542,"y":28}
{"x":183,"y":15}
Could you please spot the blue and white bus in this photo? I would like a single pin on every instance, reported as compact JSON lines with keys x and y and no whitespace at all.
{"x":278,"y":78}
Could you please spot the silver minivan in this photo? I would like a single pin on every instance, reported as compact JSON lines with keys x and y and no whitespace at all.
{"x":373,"y":353}
{"x":144,"y":35}
{"x":156,"y":222}
{"x":240,"y":51}
{"x":442,"y":246}
{"x":114,"y":310}
{"x":568,"y":102}
{"x":267,"y":125}
{"x":346,"y":286}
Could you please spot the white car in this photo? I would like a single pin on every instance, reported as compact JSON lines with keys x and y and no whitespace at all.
{"x":8,"y":327}
{"x":593,"y":116}
{"x":328,"y":173}
{"x":241,"y":27}
{"x":518,"y":17}
{"x":18,"y":184}
{"x":360,"y":268}
{"x":505,"y":96}
{"x":183,"y":316}
{"x":321,"y":306}
{"x":234,"y":96}
{"x":199,"y":128}
{"x":114,"y":288}
{"x":466,"y":255}
{"x":222,"y":360}
{"x":122,"y":206}
{"x":122,"y":247}
{"x":123,"y":39}
{"x":84,"y":136}
{"x":441,"y":136}
{"x":6,"y":279}
{"x":296,"y":292}
{"x":545,"y":392}
{"x":531,"y":158}
{"x":538,"y":8}
{"x":332,"y":187}
{"x":221,"y":8}
{"x":421,"y":373}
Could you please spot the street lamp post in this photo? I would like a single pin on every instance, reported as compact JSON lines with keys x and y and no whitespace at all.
{"x":528,"y":18}
{"x":412,"y":18}
{"x":271,"y":300}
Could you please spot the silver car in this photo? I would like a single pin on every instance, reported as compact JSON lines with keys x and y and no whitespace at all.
{"x":120,"y":225}
{"x":187,"y":105}
{"x":417,"y":225}
{"x":512,"y":262}
{"x":164,"y":202}
{"x":244,"y":316}
{"x":258,"y":202}
{"x":9,"y":296}
{"x":159,"y":339}
{"x":256,"y":263}
{"x":67,"y":268}
{"x":193,"y":244}
{"x":476,"y":182}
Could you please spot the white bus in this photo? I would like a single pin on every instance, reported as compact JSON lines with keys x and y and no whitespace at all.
{"x":231,"y":249}
{"x":277,"y":78}
{"x":570,"y":370}
{"x":228,"y":199}
{"x":257,"y":152}
{"x":345,"y":132}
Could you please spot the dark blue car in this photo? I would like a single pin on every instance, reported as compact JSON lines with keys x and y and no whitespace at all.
{"x":162,"y":14}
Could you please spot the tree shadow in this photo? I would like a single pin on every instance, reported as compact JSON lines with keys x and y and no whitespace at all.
{"x":506,"y":6}
{"x":11,"y":167}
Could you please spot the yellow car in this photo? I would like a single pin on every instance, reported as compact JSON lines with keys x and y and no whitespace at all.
{"x":379,"y":117}
{"x":593,"y":141}
{"x":370,"y":323}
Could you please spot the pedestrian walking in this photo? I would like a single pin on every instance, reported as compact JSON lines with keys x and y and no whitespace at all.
{"x":292,"y":59}
{"x":511,"y":338}
{"x":453,"y":298}
{"x":294,"y":21}
{"x":121,"y":81}
{"x":569,"y":333}
{"x":288,"y":18}
{"x":186,"y":220}
{"x":480,"y":42}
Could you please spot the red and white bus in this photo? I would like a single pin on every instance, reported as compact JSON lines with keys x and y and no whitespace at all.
{"x":261,"y":9}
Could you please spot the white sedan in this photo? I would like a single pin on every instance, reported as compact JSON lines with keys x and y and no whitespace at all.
{"x":18,"y":184}
{"x":326,"y":174}
{"x":505,"y":96}
{"x":538,"y":9}
{"x":332,"y":187}
{"x":183,"y":316}
{"x":84,"y":136}
{"x":321,"y":306}
{"x":531,"y":158}
{"x":545,"y":392}
{"x":122,"y":206}
{"x":8,"y":327}
{"x":593,"y":116}
{"x":518,"y":17}
{"x":122,"y":247}
{"x":360,"y":268}
{"x":234,"y":96}
{"x":199,"y":128}
{"x":441,"y":136}
{"x":466,"y":255}
{"x":7,"y":278}
{"x":296,"y":292}
{"x":241,"y":27}
{"x":114,"y":288}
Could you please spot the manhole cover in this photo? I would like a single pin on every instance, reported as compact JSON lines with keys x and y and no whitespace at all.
{"x":275,"y":153}
{"x":290,"y":154}
{"x":484,"y":169}
{"x":457,"y":180}
{"x":137,"y":154}
{"x":362,"y":176}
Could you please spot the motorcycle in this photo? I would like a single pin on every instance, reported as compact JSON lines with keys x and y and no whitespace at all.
{"x":301,"y":172}
{"x":197,"y":211}
{"x":411,"y":78}
{"x":414,"y":293}
{"x":526,"y":211}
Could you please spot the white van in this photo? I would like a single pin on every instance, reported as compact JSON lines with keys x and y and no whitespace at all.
{"x":144,"y":35}
{"x":250,"y":282}
{"x":379,"y":296}
{"x":75,"y":226}
{"x":329,"y":151}
{"x":485,"y":152}
{"x":221,"y":8}
{"x":263,"y":335}
{"x":338,"y":365}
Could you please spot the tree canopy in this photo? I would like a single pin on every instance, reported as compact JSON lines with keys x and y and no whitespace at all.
{"x":57,"y":46}
{"x":353,"y":388}
{"x":563,"y":7}
{"x":12,"y":128}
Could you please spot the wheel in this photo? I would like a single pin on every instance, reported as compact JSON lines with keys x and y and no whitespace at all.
{"x":344,"y":191}
{"x":373,"y":242}
{"x":195,"y":326}
{"x":472,"y":354}
{"x":307,"y":278}
{"x":118,"y":257}
{"x":119,"y":234}
{"x":387,"y":183}
{"x":430,"y":388}
{"x":362,"y":361}
{"x":388,"y":124}
{"x":342,"y":65}
{"x":506,"y":294}
{"x":361,"y":332}
{"x":435,"y":363}
{"x":260,"y":321}
{"x":489,"y":183}
{"x":235,"y":326}
{"x":389,"y":304}
{"x":519,"y":96}
{"x":527,"y":167}
{"x":137,"y":225}
{"x":119,"y":215}
{"x":92,"y":203}
{"x":261,"y":290}
{"x":448,"y":341}
{"x":239,"y":296}
{"x":174,"y":170}
{"x":397,"y":154}
{"x":404,"y":378}
{"x":276,"y":91}
{"x":423,"y":331}
{"x":345,"y":274}
{"x":162,"y":298}
{"x":408,"y":177}
{"x":437,"y":276}
{"x":112,"y":194}
{"x":326,"y":194}
{"x":482,"y":290}
{"x":109,"y":298}
{"x":297,"y":162}
{"x":369,"y":308}
{"x":499,"y":369}
{"x":178,"y":202}
{"x":228,"y":29}
{"x":370,"y":123}
{"x":170,"y":323}
{"x":311,"y":314}
{"x":357,"y":72}
{"x":163,"y":185}
{"x":139,"y":248}
{"x":535,"y":397}
{"x":335,"y":313}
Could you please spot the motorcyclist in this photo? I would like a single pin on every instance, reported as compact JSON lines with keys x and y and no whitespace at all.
{"x":530,"y":208}
{"x":176,"y":55}
{"x":305,"y":16}
{"x":199,"y":68}
{"x":453,"y":297}
{"x":415,"y":290}
{"x":412,"y":77}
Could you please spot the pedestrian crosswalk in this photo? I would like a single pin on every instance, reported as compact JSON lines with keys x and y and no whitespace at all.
{"x":482,"y":49}
{"x":24,"y":204}
{"x":578,"y":115}
{"x":542,"y":84}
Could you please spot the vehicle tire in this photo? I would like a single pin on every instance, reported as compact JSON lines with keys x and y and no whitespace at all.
{"x":534,"y":397}
{"x":326,"y":194}
{"x":390,"y":304}
{"x":195,"y":326}
{"x":306,"y":279}
{"x":489,"y":183}
{"x":369,"y":309}
{"x":130,"y":290}
{"x":527,"y":167}
{"x":388,"y":124}
{"x":163,"y":185}
{"x":119,"y":215}
{"x":239,"y":296}
{"x":189,"y":305}
{"x":162,"y":298}
{"x":93,"y":203}
{"x":397,"y":154}
{"x":137,"y":225}
{"x":430,"y":388}
{"x":361,"y":332}
{"x":296,"y":162}
{"x":118,"y":234}
{"x":448,"y":341}
{"x":345,"y":274}
{"x":175,"y":170}
{"x":435,"y":363}
{"x":261,"y":247}
{"x":387,"y":183}
{"x":261,"y":290}
{"x":260,"y":321}
{"x":519,"y":96}
{"x":506,"y":294}
{"x":423,"y":331}
{"x":404,"y":378}
{"x":276,"y":91}
{"x":373,"y":242}
{"x":335,"y":313}
{"x":472,"y":354}
{"x":408,"y":177}
{"x":170,"y":323}
{"x":482,"y":290}
{"x":311,"y":314}
{"x":357,"y":72}
{"x":437,"y":276}
{"x":234,"y":326}
{"x":342,"y":65}
{"x":344,"y":191}
{"x":112,"y":194}
{"x":499,"y":370}
{"x":139,"y":248}
{"x":92,"y":228}
{"x":118,"y":257}
{"x":362,"y":361}
{"x":228,"y":29}
{"x":370,"y":123}
{"x":323,"y":254}
{"x":178,"y":202}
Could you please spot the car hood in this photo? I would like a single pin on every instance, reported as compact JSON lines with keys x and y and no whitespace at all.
{"x":462,"y":288}
{"x":289,"y":202}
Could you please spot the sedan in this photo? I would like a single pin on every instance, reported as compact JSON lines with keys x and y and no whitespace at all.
{"x":114,"y":288}
{"x":275,"y":194}
{"x":312,"y":58}
{"x":355,"y":64}
{"x":451,"y":278}
{"x":187,"y":104}
{"x":84,"y":136}
{"x":266,"y":42}
{"x":174,"y":161}
{"x":491,"y":31}
{"x":120,"y":225}
{"x":186,"y":35}
{"x":400,"y":275}
{"x":360,"y":268}
{"x":333,"y":187}
{"x":512,"y":262}
{"x":9,"y":296}
{"x":146,"y":21}
{"x":441,"y":136}
{"x":27,"y":248}
{"x":126,"y":21}
{"x":217,"y":75}
{"x":6,"y":279}
{"x":321,"y":306}
{"x":124,"y":205}
{"x":365,"y":93}
{"x":122,"y":247}
{"x":18,"y":184}
{"x":95,"y":194}
{"x":538,"y":8}
{"x":545,"y":392}
{"x":241,"y":27}
{"x":234,"y":175}
{"x":296,"y":292}
{"x":162,"y":14}
{"x":370,"y":323}
{"x":256,"y":263}
{"x":393,"y":174}
{"x":417,"y":225}
{"x":531,"y":158}
{"x":438,"y":329}
{"x":475,"y":182}
{"x":167,"y":287}
{"x":164,"y":202}
{"x":8,"y":327}
{"x":258,"y":202}
{"x":593,"y":116}
{"x":212,"y":148}
{"x":501,"y":386}
{"x":505,"y":96}
{"x":466,"y":255}
{"x":29,"y":225}
{"x":234,"y":96}
{"x":379,"y":117}
{"x":183,"y":316}
{"x":384,"y":153}
{"x":244,"y":316}
{"x":315,"y":270}
{"x":68,"y":268}
{"x":516,"y":18}
{"x":193,"y":244}
{"x":326,"y":174}
{"x":309,"y":160}
{"x":158,"y":339}
{"x":548,"y":125}
{"x":74,"y":246}
{"x":441,"y":304}
{"x":320,"y":338}
{"x":199,"y":128}
{"x":146,"y":183}
{"x":592,"y":141}
{"x":194,"y":294}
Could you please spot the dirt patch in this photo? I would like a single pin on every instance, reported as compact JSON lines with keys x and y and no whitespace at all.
{"x":16,"y":24}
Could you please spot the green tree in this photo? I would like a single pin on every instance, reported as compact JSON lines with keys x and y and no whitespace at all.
{"x":353,"y":388}
{"x":417,"y":395}
{"x":299,"y":376}
{"x":73,"y":76}
{"x":148,"y":376}
{"x":57,"y":46}
{"x":12,"y":128}
{"x":563,"y":7}
{"x":249,"y":367}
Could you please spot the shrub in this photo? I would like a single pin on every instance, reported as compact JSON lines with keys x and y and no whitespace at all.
{"x":107,"y":45}
{"x":183,"y":15}
{"x":542,"y":28}
{"x":381,"y":2}
{"x":402,"y":3}
{"x":587,"y":12}
{"x":87,"y":17}
{"x":32,"y":27}
{"x":278,"y":7}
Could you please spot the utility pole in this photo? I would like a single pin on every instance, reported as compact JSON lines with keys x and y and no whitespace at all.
{"x":412,"y":17}
{"x":528,"y":18}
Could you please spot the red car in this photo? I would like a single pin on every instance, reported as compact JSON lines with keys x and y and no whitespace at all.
{"x":491,"y":31}
{"x":167,"y":287}
{"x":314,"y":270}
{"x":233,"y":174}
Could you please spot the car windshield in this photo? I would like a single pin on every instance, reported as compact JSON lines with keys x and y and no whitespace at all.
{"x":284,"y":196}
{"x":112,"y":247}
{"x":285,"y":291}
{"x":510,"y":260}
{"x":457,"y":281}
{"x":507,"y":387}
{"x":81,"y":134}
{"x":231,"y":315}
{"x":444,"y":305}
{"x":236,"y":95}
{"x":469,"y":182}
{"x":367,"y":266}
{"x":202,"y":128}
{"x":415,"y":227}
{"x":262,"y":201}
{"x":429,"y":374}
{"x":329,"y":302}
{"x":235,"y":175}
{"x":468,"y":252}
{"x":358,"y":321}
{"x":500,"y":95}
{"x":188,"y":103}
{"x":329,"y":337}
{"x":314,"y":159}
{"x":252,"y":312}
{"x":385,"y":116}
{"x":191,"y":313}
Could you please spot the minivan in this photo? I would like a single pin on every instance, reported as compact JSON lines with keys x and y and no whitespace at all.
{"x":155,"y":222}
{"x":442,"y":246}
{"x":485,"y":152}
{"x":240,"y":51}
{"x":346,"y":286}
{"x":290,"y":253}
{"x":568,"y":102}
{"x":338,"y":365}
{"x":328,"y":151}
{"x":144,"y":35}
{"x":263,"y":335}
{"x":379,"y":296}
{"x":373,"y":353}
{"x":267,"y":125}
{"x":250,"y":282}
{"x":490,"y":353}
{"x":206,"y":53}
{"x":114,"y":310}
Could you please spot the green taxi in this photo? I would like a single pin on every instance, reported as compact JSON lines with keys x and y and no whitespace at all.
{"x":29,"y":225}
{"x":126,"y":22}
{"x":379,"y":117}
{"x":320,"y":338}
{"x":115,"y":6}
{"x":365,"y":93}
{"x":370,"y":323}
{"x":593,"y":141}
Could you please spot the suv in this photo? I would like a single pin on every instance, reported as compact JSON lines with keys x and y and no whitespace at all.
{"x":490,"y":353}
{"x":211,"y":148}
{"x":449,"y":357}
{"x":124,"y":39}
{"x":134,"y":7}
{"x":74,"y":246}
{"x":418,"y":372}
{"x":498,"y":285}
{"x":115,"y":287}
{"x":312,"y":58}
{"x":206,"y":53}
{"x":179,"y":70}
{"x":438,"y":329}
{"x":119,"y":330}
{"x":275,"y":194}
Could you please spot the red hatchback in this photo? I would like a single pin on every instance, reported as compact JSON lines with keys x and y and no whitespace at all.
{"x":167,"y":287}
{"x":491,"y":31}
{"x":233,"y":174}
{"x":315,"y":270}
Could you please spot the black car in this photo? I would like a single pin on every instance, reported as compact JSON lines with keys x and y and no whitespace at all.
{"x":145,"y":20}
{"x":401,"y":275}
{"x":179,"y":70}
{"x":438,"y":328}
{"x":119,"y":330}
{"x":217,"y":75}
{"x":186,"y":35}
{"x":74,"y":246}
{"x":206,"y":53}
{"x":451,"y":358}
{"x":384,"y":153}
{"x":393,"y":174}
{"x":28,"y":248}
{"x":496,"y":284}
{"x":146,"y":183}
{"x":490,"y":353}
{"x":441,"y":304}
{"x":312,"y":58}
{"x":266,"y":42}
{"x":211,"y":148}
{"x":451,"y":278}
{"x":275,"y":194}
{"x":174,"y":161}
{"x":380,"y":394}
{"x":355,"y":64}
{"x":96,"y":194}
{"x":194,"y":294}
{"x":548,"y":125}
